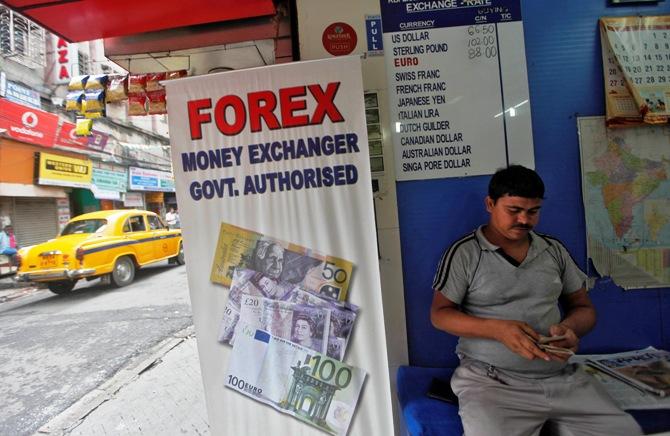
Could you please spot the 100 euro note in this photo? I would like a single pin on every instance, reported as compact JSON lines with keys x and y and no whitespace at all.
{"x":295,"y":380}
{"x":279,"y":260}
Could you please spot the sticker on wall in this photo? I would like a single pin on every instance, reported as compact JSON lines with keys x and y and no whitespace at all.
{"x":339,"y":39}
{"x":373,"y":32}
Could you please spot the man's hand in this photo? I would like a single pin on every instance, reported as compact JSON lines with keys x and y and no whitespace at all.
{"x":520,"y":338}
{"x":571,"y":341}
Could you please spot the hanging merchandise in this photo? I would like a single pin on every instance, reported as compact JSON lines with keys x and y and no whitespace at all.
{"x":137,"y":95}
{"x":117,"y":88}
{"x":87,"y":99}
{"x":96,"y":82}
{"x":137,"y":83}
{"x":176,"y":74}
{"x":153,"y":82}
{"x":137,"y":104}
{"x":145,"y":94}
{"x":74,"y":100}
{"x":94,"y":103}
{"x":84,"y":127}
{"x":78,"y":83}
{"x":156,"y":101}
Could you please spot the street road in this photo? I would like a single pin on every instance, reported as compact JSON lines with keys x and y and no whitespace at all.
{"x":55,"y":349}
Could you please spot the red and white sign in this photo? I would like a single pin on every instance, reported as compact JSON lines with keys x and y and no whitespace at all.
{"x":67,"y":138}
{"x":339,"y":39}
{"x":28,"y":124}
{"x":66,"y":61}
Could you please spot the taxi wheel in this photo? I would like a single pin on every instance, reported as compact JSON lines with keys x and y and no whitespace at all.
{"x":124,"y":272}
{"x":179,"y":258}
{"x":63,"y":287}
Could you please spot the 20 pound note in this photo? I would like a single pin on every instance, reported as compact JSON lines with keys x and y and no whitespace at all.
{"x":295,"y":380}
{"x":279,"y":260}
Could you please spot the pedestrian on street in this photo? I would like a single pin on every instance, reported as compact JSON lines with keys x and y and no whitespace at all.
{"x":8,"y":245}
{"x":172,"y":218}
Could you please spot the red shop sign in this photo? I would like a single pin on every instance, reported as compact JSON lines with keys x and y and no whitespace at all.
{"x":339,"y":39}
{"x":67,"y":138}
{"x":28,"y":124}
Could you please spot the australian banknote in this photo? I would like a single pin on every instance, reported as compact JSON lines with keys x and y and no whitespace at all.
{"x":279,"y":260}
{"x":295,"y":380}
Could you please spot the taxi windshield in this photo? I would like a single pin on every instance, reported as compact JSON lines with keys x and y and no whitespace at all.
{"x":84,"y":226}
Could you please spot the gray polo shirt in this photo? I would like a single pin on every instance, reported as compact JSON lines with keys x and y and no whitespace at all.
{"x":486,"y":283}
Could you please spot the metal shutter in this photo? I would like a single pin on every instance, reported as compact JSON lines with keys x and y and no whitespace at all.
{"x":35,"y":220}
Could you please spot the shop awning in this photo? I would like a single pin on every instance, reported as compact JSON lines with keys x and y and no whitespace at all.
{"x":85,"y":20}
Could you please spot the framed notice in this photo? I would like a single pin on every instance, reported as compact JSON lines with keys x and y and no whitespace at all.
{"x":458,"y":87}
{"x":636,"y":65}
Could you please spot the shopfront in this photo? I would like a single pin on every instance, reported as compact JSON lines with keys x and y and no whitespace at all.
{"x":154,"y":184}
{"x":109,"y":185}
{"x":37,"y":212}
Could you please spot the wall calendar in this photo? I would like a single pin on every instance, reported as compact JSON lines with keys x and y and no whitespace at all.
{"x":636,"y":66}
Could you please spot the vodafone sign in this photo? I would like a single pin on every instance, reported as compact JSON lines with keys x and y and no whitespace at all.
{"x":29,"y":119}
{"x":67,"y":138}
{"x":28,"y":124}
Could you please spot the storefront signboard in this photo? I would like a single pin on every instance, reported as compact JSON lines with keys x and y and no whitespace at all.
{"x":28,"y":124}
{"x":22,"y":95}
{"x":67,"y":139}
{"x":143,"y":179}
{"x":109,"y":185}
{"x":58,"y":170}
{"x":109,"y":180}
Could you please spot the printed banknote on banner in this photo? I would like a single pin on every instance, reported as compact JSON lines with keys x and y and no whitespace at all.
{"x":295,"y":380}
{"x":279,"y":260}
{"x":266,"y":302}
{"x":304,"y":325}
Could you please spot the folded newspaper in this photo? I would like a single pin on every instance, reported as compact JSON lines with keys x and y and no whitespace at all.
{"x":647,"y":369}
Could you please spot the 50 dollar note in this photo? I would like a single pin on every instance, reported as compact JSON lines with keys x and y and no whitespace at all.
{"x":280,"y":261}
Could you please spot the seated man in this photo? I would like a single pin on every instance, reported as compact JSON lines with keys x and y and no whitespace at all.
{"x":498,"y":288}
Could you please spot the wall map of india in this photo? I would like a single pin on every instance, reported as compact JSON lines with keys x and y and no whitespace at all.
{"x":626,"y":189}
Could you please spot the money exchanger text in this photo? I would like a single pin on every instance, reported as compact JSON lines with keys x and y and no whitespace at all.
{"x":274,"y":151}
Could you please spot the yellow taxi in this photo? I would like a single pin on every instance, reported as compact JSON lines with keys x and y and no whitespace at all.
{"x":110,"y":243}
